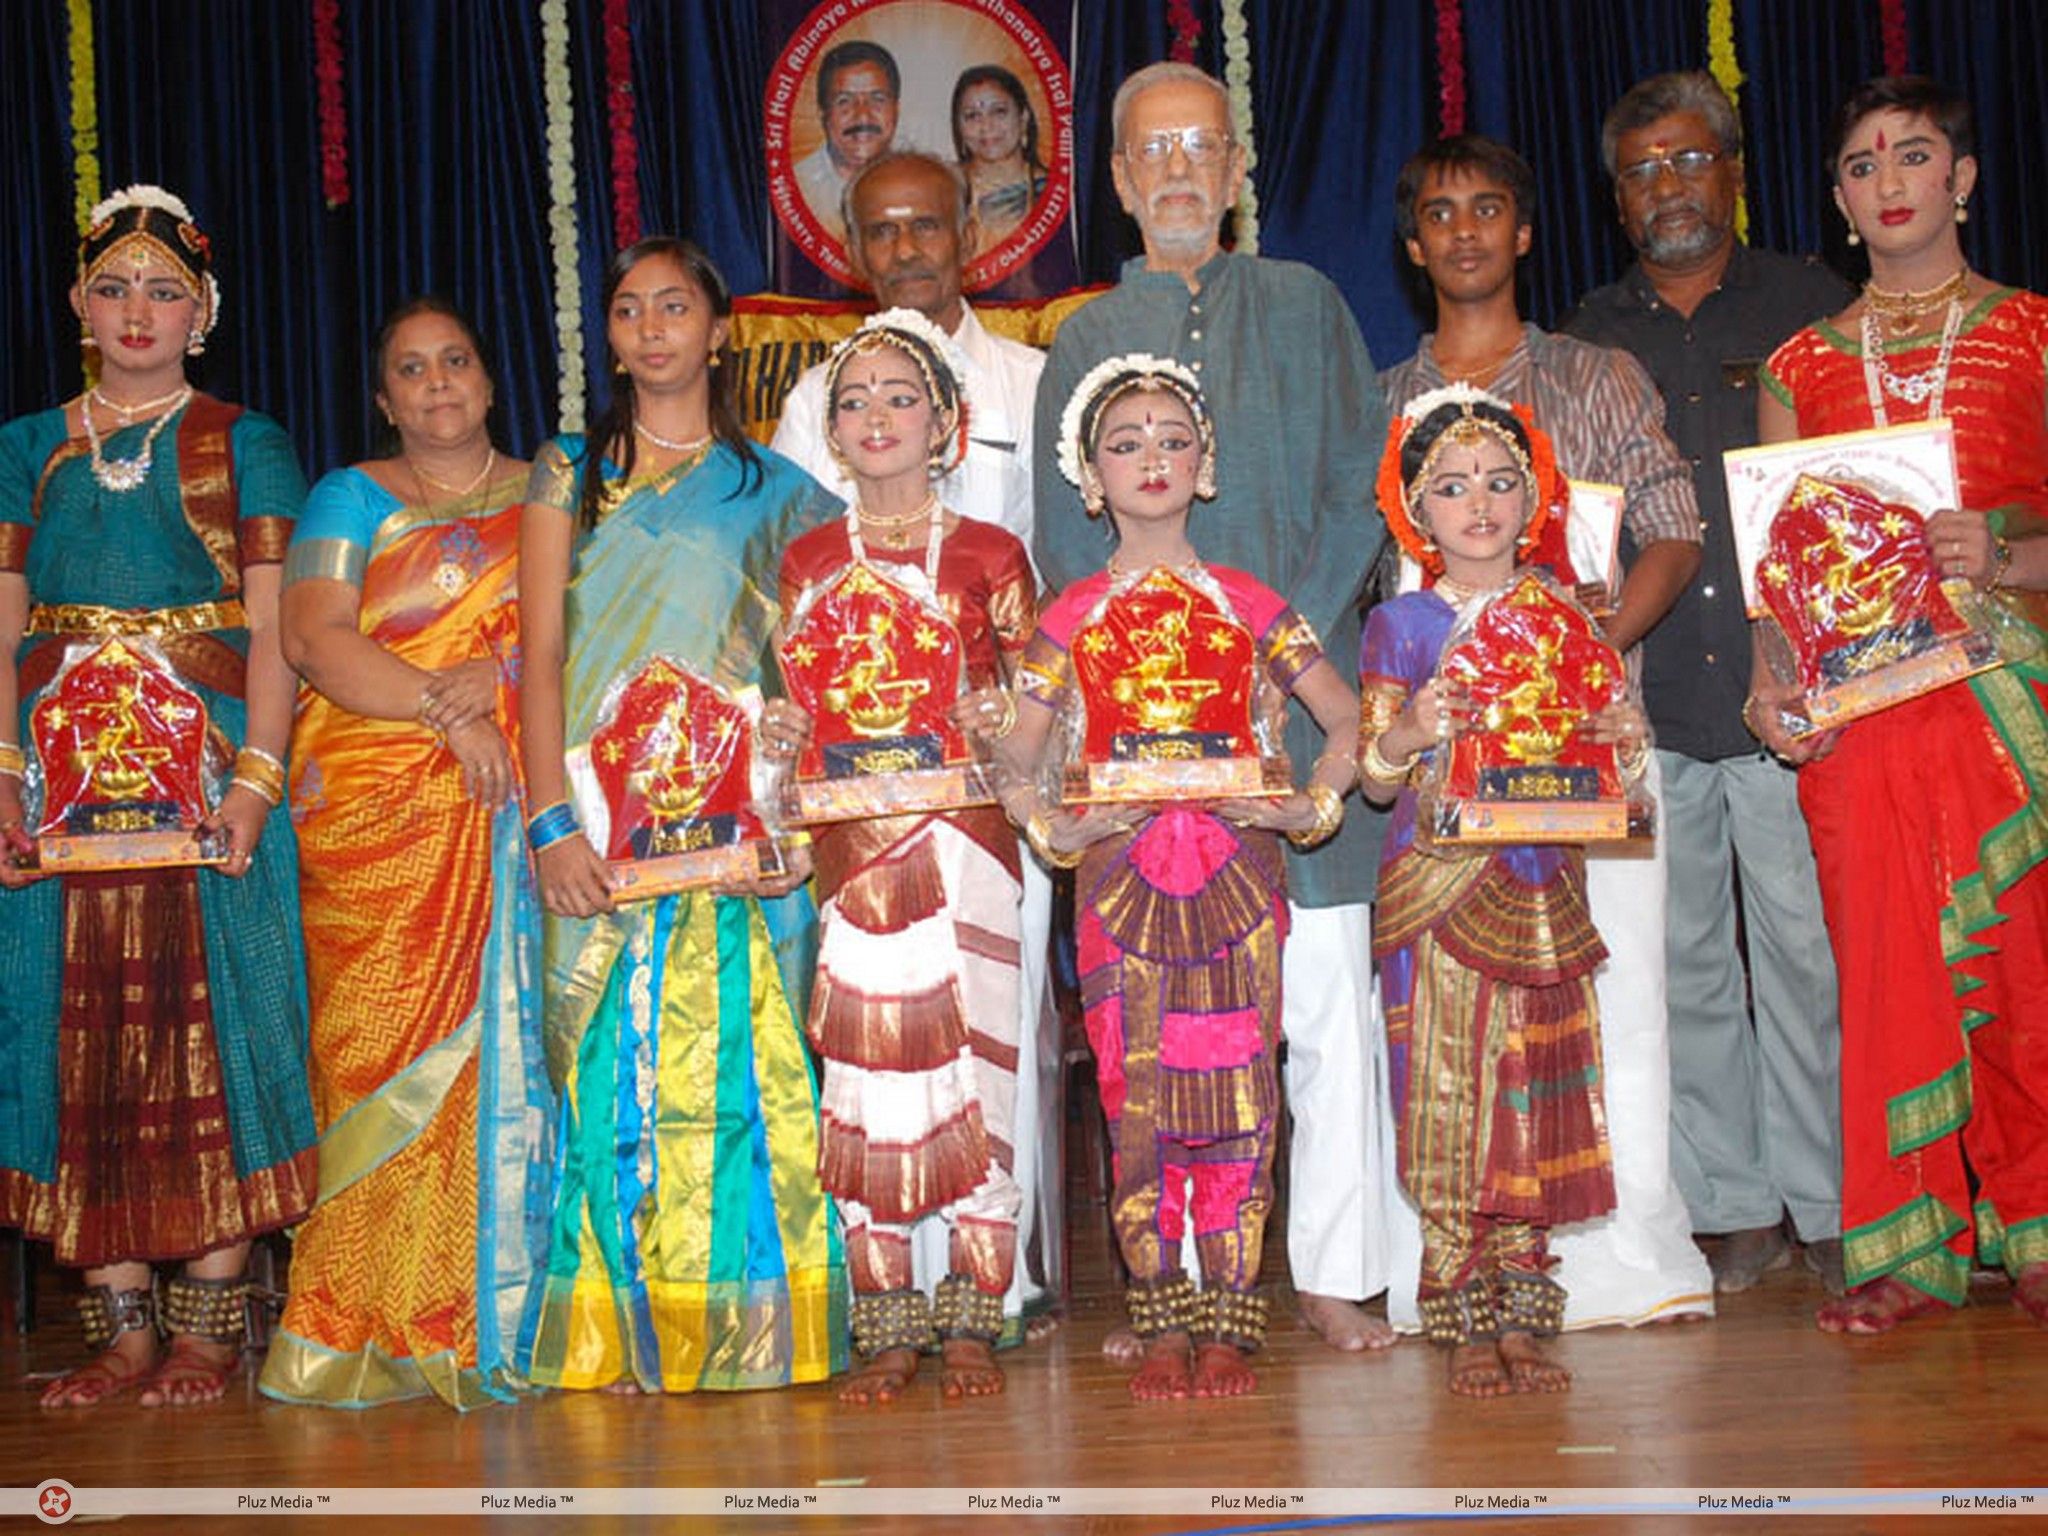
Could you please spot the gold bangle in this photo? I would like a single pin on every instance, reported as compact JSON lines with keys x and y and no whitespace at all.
{"x":1379,"y":770}
{"x":1748,"y":719}
{"x":1329,"y":816}
{"x":261,"y":756}
{"x":260,"y":771}
{"x":2001,"y":563}
{"x":13,"y":761}
{"x":262,"y":792}
{"x":1038,"y":832}
{"x":1008,"y":722}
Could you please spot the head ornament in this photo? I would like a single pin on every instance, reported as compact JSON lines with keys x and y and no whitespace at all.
{"x":1460,"y":414}
{"x":159,"y":222}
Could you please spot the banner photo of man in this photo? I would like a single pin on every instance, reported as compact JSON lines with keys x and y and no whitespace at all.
{"x":982,"y":84}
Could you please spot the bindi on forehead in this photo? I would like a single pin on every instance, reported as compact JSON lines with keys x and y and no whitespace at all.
{"x":1881,"y":142}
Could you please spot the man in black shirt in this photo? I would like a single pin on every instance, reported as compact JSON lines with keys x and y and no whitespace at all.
{"x":1755,"y":1111}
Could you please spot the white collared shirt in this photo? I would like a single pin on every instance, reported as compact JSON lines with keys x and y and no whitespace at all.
{"x":993,"y":483}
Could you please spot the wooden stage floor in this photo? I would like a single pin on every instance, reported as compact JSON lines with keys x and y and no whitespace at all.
{"x":1753,"y":1399}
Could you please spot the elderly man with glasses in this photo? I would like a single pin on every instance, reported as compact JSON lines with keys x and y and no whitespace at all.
{"x":1754,"y":1036}
{"x":1299,"y":421}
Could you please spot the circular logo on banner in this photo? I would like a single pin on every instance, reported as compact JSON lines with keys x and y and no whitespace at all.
{"x":55,"y":1499}
{"x":975,"y":83}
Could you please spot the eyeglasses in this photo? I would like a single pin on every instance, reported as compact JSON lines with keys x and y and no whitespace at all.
{"x":1201,"y":145}
{"x":1687,"y":165}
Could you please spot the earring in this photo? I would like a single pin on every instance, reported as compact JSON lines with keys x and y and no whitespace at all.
{"x":195,"y":344}
{"x":1854,"y":238}
{"x":1962,"y":209}
{"x":711,"y":361}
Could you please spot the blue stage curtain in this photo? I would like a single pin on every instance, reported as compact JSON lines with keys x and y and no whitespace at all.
{"x":448,"y":159}
{"x":1342,"y":93}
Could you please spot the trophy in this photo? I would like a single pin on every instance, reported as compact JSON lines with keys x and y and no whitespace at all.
{"x":1534,"y":670}
{"x":1851,"y":583}
{"x":124,"y":754}
{"x":665,"y":786}
{"x":1167,"y":674}
{"x":878,"y":668}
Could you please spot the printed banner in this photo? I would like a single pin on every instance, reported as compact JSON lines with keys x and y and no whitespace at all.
{"x":982,"y":84}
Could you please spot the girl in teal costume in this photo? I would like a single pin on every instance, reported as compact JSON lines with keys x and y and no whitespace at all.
{"x":153,"y":1099}
{"x":692,"y":1246}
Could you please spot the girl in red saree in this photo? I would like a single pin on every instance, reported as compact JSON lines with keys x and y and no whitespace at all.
{"x":1929,"y":820}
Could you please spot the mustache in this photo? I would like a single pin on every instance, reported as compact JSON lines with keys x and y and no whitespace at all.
{"x":1180,"y":186}
{"x":861,"y":130}
{"x":918,"y":274}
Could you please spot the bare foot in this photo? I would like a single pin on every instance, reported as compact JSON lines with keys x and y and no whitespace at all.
{"x":1477,"y":1371}
{"x":193,"y":1370}
{"x":1221,"y":1371}
{"x":625,"y":1386}
{"x":969,"y":1369}
{"x":118,"y":1369}
{"x":2030,"y":1292}
{"x":1043,"y":1327}
{"x":882,"y":1379}
{"x":1673,"y":1319}
{"x":1877,"y":1307}
{"x":1343,"y":1324}
{"x":1529,"y":1368}
{"x":1123,"y":1348}
{"x":1163,"y":1371}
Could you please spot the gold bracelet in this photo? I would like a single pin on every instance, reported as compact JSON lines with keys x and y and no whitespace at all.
{"x":1749,"y":720}
{"x":1338,"y":755}
{"x":1329,"y":816}
{"x":1379,"y":770}
{"x":1009,"y":721}
{"x":1038,"y":832}
{"x":261,"y":772}
{"x":2001,"y":563}
{"x":263,"y":792}
{"x":13,"y":761}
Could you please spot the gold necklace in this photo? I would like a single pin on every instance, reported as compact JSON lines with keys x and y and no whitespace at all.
{"x":128,"y":412}
{"x":1903,"y":308}
{"x":1458,"y":593}
{"x":1487,"y":366}
{"x":917,"y":514}
{"x":425,"y":479}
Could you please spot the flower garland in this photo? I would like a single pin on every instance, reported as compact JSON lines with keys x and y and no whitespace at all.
{"x":1237,"y":79}
{"x":1450,"y":66}
{"x":1721,"y":63}
{"x":1184,"y":30}
{"x":618,"y":73}
{"x":561,"y":135}
{"x":85,"y":118}
{"x":1892,"y":27}
{"x":332,"y":103}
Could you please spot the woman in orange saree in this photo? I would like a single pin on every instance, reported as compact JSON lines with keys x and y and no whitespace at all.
{"x":412,"y":1274}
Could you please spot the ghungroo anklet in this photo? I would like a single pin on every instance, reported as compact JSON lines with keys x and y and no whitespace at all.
{"x":1463,"y":1316}
{"x":1237,"y":1318}
{"x":108,"y":1313}
{"x":962,"y":1310}
{"x":1165,"y":1306}
{"x":216,"y":1310}
{"x":1526,"y":1302}
{"x":884,"y":1320}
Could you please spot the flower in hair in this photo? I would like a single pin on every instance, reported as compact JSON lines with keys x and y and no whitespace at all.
{"x":1138,"y":370}
{"x":1549,"y":492}
{"x":141,"y":195}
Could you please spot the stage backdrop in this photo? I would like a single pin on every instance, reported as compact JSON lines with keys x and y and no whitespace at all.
{"x":440,"y":108}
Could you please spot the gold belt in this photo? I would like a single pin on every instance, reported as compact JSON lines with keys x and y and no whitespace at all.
{"x":92,"y":619}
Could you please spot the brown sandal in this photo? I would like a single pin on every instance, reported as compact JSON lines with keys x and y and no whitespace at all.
{"x":107,"y":1314}
{"x":201,"y":1316}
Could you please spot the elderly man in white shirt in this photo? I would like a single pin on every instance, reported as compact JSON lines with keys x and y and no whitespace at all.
{"x":910,"y":233}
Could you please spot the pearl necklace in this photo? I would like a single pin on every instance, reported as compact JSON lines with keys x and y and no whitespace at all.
{"x":120,"y":475}
{"x":427,"y":480}
{"x":1928,"y":386}
{"x":668,"y":443}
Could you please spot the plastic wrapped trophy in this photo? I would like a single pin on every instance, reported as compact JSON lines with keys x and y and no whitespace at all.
{"x":1535,"y":671}
{"x":666,"y":787}
{"x":1167,"y":675}
{"x":879,"y":668}
{"x":1851,"y":582}
{"x":125,"y":763}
